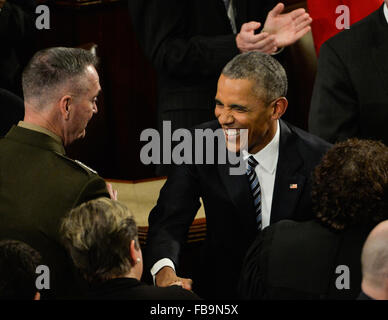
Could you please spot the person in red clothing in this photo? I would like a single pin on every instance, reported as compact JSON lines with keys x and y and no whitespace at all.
{"x":326,"y":13}
{"x":350,"y":97}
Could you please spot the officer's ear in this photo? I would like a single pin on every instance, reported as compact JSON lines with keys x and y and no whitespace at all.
{"x":65,"y":106}
{"x":279,"y":107}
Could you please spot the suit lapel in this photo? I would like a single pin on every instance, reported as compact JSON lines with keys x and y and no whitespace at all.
{"x":288,"y":182}
{"x":379,"y":51}
{"x":221,"y":10}
{"x":238,"y":189}
{"x":241,"y":13}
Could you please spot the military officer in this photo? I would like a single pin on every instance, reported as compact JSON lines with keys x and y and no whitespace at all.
{"x":38,"y":182}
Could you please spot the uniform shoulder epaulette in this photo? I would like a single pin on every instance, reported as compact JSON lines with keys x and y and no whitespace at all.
{"x":85,"y":166}
{"x":77,"y":163}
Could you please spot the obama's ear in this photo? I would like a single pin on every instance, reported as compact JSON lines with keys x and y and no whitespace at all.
{"x":279,"y":108}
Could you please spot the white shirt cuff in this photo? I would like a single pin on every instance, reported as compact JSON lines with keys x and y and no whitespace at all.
{"x":165,"y":262}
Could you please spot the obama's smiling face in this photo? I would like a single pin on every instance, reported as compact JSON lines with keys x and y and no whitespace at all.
{"x":239,"y":106}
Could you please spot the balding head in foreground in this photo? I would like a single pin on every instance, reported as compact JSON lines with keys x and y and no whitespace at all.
{"x":374,"y":261}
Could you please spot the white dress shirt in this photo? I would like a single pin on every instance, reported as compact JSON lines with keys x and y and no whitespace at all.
{"x":266,"y":173}
{"x":386,"y":11}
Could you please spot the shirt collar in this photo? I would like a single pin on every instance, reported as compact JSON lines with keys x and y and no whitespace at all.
{"x":40,"y":129}
{"x":267,"y":157}
{"x":386,"y":11}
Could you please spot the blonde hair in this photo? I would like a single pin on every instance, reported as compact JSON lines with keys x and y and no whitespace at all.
{"x":97,"y":235}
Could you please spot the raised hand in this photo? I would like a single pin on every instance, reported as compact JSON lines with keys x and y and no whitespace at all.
{"x":287,"y":27}
{"x":247,"y":40}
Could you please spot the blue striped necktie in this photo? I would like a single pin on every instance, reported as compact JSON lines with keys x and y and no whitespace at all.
{"x":255,"y":188}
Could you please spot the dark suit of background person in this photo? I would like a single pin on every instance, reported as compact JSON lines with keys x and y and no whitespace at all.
{"x":17,"y":27}
{"x":11,"y":110}
{"x":298,"y":260}
{"x":350,"y":97}
{"x":38,"y":185}
{"x":189,"y":42}
{"x":228,"y":202}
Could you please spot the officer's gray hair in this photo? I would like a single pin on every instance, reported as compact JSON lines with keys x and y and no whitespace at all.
{"x":52,"y":67}
{"x":268,"y":74}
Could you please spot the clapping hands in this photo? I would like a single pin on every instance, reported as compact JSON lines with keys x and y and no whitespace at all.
{"x":280,"y":30}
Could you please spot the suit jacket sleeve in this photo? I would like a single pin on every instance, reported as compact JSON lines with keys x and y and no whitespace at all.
{"x":17,"y":21}
{"x":172,"y":216}
{"x":334,"y":106}
{"x":161,"y":28}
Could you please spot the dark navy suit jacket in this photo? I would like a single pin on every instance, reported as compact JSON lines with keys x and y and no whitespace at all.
{"x":228,"y":203}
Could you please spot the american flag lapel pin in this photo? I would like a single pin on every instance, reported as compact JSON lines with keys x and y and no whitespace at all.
{"x":293,"y":186}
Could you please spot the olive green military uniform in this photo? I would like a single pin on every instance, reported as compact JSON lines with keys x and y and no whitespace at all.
{"x":38,"y":186}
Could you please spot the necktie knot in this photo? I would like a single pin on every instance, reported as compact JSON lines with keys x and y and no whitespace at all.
{"x":252,"y":163}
